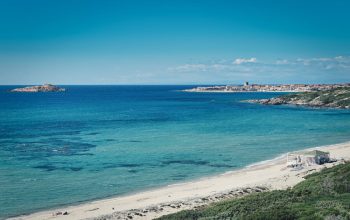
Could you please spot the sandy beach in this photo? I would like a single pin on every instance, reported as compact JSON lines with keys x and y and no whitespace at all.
{"x":168,"y":110}
{"x":266,"y":175}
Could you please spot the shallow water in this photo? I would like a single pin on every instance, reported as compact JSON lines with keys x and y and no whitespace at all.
{"x":97,"y":141}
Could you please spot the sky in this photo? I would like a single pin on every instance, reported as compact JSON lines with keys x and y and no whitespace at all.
{"x":174,"y":42}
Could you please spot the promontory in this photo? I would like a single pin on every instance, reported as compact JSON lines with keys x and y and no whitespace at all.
{"x":42,"y":88}
{"x":332,"y":98}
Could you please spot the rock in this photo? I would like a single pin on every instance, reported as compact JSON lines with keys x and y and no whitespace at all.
{"x":58,"y":213}
{"x":332,"y":98}
{"x":43,"y":88}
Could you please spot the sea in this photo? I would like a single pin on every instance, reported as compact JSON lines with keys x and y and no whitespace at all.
{"x":94,"y":142}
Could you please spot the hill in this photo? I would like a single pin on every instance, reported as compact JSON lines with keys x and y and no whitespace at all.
{"x":323,"y":195}
{"x":333,"y":98}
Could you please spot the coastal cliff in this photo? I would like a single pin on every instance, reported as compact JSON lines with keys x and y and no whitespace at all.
{"x":43,"y":88}
{"x":333,"y":98}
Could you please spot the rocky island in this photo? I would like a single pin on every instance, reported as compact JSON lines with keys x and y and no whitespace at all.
{"x":332,"y":98}
{"x":43,"y":88}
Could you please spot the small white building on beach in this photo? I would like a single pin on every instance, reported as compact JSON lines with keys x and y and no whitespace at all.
{"x":307,"y":158}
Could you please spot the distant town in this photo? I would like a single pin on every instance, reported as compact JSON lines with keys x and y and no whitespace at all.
{"x":246,"y":87}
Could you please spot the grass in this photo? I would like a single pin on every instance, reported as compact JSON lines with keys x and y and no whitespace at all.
{"x":323,"y":195}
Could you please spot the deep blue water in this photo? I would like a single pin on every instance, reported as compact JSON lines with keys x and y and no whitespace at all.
{"x":98,"y":141}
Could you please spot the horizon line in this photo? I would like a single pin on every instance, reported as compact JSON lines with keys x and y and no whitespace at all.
{"x":195,"y":84}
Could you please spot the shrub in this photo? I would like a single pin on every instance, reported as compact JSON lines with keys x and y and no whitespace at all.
{"x":323,"y":195}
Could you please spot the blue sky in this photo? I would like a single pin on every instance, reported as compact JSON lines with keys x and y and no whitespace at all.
{"x":174,"y":42}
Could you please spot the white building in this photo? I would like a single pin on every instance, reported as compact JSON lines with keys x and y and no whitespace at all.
{"x":307,"y":158}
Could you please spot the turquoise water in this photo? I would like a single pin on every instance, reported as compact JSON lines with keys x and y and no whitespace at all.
{"x":93,"y":142}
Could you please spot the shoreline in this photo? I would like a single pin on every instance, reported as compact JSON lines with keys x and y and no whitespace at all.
{"x":257,"y":177}
{"x":222,"y":91}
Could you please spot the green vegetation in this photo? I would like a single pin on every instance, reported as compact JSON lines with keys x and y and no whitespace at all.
{"x":339,"y":97}
{"x":323,"y":195}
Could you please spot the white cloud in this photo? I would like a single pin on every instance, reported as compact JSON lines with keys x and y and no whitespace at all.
{"x":324,"y":59}
{"x":327,"y":63}
{"x":339,"y":58}
{"x":282,"y":62}
{"x":299,"y":65}
{"x":216,"y":67}
{"x":190,"y":68}
{"x":312,"y":69}
{"x":239,"y":61}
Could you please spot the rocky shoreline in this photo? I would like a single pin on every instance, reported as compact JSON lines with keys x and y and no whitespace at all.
{"x":333,"y":98}
{"x":42,"y":88}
